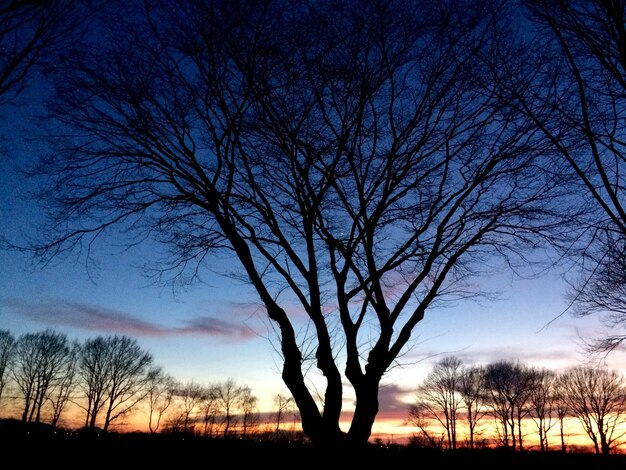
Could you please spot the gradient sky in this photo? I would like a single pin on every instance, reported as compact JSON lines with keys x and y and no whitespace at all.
{"x":215,"y":330}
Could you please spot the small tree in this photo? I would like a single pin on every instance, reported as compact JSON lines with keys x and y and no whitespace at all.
{"x":542,"y":403}
{"x":94,"y":377}
{"x":7,"y":354}
{"x":282,"y":405}
{"x":161,"y":388}
{"x":40,"y":363}
{"x":66,"y":386}
{"x":210,"y":408}
{"x":561,"y":405}
{"x":439,"y":396}
{"x":229,"y":396}
{"x":421,"y":418}
{"x":189,"y":397}
{"x":249,"y":414}
{"x":471,"y":388}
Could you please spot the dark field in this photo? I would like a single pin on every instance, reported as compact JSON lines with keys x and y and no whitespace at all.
{"x":37,"y":449}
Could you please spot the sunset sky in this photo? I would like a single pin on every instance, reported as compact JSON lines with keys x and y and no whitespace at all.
{"x":216,"y":328}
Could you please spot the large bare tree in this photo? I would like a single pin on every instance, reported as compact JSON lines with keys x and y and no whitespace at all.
{"x":569,"y":78}
{"x":352,"y":156}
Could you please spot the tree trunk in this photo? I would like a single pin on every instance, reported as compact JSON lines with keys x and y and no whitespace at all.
{"x":365,"y":411}
{"x":604,"y":445}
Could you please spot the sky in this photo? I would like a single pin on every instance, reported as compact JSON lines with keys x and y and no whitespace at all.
{"x":216,"y":329}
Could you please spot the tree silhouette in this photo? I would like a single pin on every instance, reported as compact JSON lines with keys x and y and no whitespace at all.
{"x":161,"y":388}
{"x":508,"y":385}
{"x":283,"y":406}
{"x":561,"y":406}
{"x":249,"y":414}
{"x":210,"y":408}
{"x":353,"y":157}
{"x":541,"y":401}
{"x":7,"y":353}
{"x":229,"y":396}
{"x":471,"y":388}
{"x":421,"y":418}
{"x":66,"y":385}
{"x":439,"y":396}
{"x":40,"y":365}
{"x":29,"y":32}
{"x":114,"y":372}
{"x":190,"y":396}
{"x":597,"y":397}
{"x":571,"y":83}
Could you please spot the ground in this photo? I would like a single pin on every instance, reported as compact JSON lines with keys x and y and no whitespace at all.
{"x":47,"y":448}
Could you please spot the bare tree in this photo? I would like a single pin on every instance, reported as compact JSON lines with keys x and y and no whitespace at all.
{"x":94,"y":376}
{"x":7,"y":354}
{"x":542,"y":403}
{"x":347,"y":154}
{"x":210,"y":409}
{"x":114,"y":372}
{"x":471,"y":388}
{"x":508,"y":384}
{"x":128,"y":367}
{"x":39,"y":366}
{"x":571,"y":83}
{"x":283,"y":405}
{"x":29,"y":32}
{"x":249,"y":411}
{"x":229,"y":396}
{"x":65,"y":387}
{"x":597,"y":397}
{"x":561,"y":406}
{"x":190,"y":397}
{"x":421,"y":418}
{"x":161,"y":388}
{"x":439,"y":396}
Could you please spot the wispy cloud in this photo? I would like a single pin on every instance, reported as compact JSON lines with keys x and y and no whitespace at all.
{"x":101,"y":319}
{"x":472,"y":355}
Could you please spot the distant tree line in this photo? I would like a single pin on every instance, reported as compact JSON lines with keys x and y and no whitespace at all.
{"x":107,"y":378}
{"x":506,"y":394}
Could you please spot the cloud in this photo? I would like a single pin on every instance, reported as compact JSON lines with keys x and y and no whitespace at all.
{"x":96,"y":318}
{"x":393,"y":403}
{"x":529,"y":355}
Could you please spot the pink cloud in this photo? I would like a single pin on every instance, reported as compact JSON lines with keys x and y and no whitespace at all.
{"x":101,"y":319}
